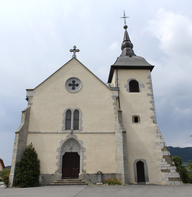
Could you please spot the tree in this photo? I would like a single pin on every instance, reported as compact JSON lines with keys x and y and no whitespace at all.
{"x":5,"y":175}
{"x":181,"y":169}
{"x":189,"y":165}
{"x":28,"y":169}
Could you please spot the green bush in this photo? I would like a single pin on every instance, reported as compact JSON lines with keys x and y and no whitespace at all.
{"x":4,"y":174}
{"x":181,"y":169}
{"x":5,"y":179}
{"x":113,"y":181}
{"x":28,"y":169}
{"x":189,"y":166}
{"x":190,"y":177}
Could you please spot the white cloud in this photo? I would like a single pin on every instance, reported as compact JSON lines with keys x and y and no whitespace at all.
{"x":174,"y":32}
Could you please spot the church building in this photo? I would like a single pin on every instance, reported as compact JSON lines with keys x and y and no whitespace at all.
{"x":79,"y":125}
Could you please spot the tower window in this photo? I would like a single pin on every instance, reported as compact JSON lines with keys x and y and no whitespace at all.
{"x":133,"y":86}
{"x":135,"y":119}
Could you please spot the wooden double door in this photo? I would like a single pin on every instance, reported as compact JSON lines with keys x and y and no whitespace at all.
{"x":70,"y":165}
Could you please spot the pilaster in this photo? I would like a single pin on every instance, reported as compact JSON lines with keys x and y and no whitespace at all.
{"x":20,"y":143}
{"x":121,"y":145}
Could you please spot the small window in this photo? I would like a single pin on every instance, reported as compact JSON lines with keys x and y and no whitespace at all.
{"x":135,"y":119}
{"x":68,"y":120}
{"x":133,"y":86}
{"x":76,"y":120}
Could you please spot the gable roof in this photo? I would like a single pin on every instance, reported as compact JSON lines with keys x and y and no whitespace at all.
{"x":2,"y":163}
{"x":126,"y":62}
{"x":111,"y":88}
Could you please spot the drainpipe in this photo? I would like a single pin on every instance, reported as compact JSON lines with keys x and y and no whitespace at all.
{"x":118,"y":90}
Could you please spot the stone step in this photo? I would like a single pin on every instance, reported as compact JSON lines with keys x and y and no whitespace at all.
{"x":54,"y":184}
{"x":77,"y":183}
{"x":68,"y":182}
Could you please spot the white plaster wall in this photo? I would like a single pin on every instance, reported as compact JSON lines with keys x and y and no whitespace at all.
{"x":50,"y":99}
{"x":141,"y":138}
{"x":99,"y":151}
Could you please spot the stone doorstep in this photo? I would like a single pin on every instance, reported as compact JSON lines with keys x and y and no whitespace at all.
{"x":68,"y":182}
{"x":55,"y":184}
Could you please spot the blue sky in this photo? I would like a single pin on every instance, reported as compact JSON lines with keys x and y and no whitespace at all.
{"x":36,"y":37}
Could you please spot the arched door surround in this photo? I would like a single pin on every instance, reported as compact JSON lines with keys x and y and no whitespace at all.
{"x":141,"y":171}
{"x":70,"y":145}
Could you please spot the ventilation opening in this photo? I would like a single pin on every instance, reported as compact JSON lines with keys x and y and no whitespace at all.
{"x":135,"y":119}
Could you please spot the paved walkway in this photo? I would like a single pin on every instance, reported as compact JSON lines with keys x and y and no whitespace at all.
{"x":99,"y":191}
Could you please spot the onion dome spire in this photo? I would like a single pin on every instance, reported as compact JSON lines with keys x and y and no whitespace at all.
{"x":127,"y":46}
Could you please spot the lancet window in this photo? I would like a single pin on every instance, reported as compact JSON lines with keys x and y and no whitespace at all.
{"x":71,"y":119}
{"x":68,"y":120}
{"x":76,"y":120}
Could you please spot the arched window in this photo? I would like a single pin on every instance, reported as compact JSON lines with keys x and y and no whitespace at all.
{"x":72,"y":119}
{"x":133,"y":86}
{"x":68,"y":120}
{"x":76,"y":120}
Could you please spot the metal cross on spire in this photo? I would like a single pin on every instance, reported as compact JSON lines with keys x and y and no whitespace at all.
{"x":74,"y":50}
{"x":125,"y":17}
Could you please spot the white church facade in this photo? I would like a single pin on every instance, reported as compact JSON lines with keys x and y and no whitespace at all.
{"x":80,"y":125}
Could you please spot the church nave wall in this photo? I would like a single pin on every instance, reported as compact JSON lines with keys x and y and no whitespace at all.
{"x":51,"y":99}
{"x":97,"y":152}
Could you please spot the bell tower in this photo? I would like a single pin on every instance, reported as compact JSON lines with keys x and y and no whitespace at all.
{"x":149,"y":161}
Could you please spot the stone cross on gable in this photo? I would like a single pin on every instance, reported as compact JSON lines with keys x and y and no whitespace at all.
{"x":74,"y":50}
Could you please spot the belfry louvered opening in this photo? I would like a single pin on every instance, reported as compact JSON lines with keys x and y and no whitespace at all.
{"x":133,"y":86}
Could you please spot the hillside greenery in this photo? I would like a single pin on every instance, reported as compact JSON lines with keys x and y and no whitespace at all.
{"x":182,"y":158}
{"x":184,"y":153}
{"x":184,"y":172}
